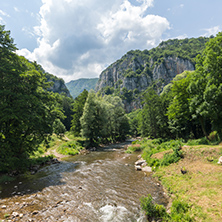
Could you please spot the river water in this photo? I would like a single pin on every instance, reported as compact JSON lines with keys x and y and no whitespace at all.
{"x":100,"y":186}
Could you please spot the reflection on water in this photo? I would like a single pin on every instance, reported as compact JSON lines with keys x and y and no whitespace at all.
{"x":100,"y":186}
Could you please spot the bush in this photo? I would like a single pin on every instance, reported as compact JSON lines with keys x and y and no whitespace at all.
{"x":172,"y":157}
{"x":134,"y":148}
{"x":180,"y":211}
{"x":154,"y":212}
{"x":70,"y":148}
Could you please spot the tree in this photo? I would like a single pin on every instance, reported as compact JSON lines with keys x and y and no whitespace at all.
{"x":27,"y":110}
{"x":77,"y":110}
{"x":118,"y":121}
{"x":179,"y":114}
{"x":153,"y":120}
{"x":104,"y":119}
{"x":206,"y":86}
{"x":58,"y":127}
{"x":94,"y":119}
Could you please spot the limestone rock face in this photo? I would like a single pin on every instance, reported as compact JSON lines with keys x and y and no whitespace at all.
{"x":134,"y":74}
{"x":58,"y":85}
{"x":170,"y":68}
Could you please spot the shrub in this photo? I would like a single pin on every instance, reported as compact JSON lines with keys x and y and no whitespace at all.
{"x":70,"y":148}
{"x":154,"y":212}
{"x":180,"y":211}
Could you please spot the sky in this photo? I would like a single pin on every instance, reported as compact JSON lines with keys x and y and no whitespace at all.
{"x":75,"y":39}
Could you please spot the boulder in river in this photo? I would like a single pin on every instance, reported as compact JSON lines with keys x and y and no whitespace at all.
{"x":140,"y":162}
{"x":138,"y":167}
{"x":147,"y":169}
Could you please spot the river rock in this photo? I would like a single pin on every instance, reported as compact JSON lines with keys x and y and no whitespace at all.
{"x":138,"y":167}
{"x":220,"y":160}
{"x":147,"y":169}
{"x":21,"y":215}
{"x":4,"y":207}
{"x":54,"y":161}
{"x":140,"y":162}
{"x":35,"y":212}
{"x":15,"y":214}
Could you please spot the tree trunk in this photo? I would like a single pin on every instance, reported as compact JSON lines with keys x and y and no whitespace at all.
{"x":203,"y":127}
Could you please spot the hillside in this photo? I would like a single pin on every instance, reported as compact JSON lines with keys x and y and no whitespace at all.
{"x":130,"y":76}
{"x":77,"y":86}
{"x":58,"y":86}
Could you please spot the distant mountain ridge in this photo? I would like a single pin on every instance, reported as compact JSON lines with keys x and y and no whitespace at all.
{"x":75,"y":87}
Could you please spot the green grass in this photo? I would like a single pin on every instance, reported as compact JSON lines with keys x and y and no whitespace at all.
{"x":196,"y":194}
{"x":71,"y":147}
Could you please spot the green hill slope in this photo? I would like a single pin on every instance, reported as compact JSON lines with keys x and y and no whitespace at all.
{"x":77,"y":86}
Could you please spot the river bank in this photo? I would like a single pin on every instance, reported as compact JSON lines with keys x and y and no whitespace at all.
{"x":195,"y":180}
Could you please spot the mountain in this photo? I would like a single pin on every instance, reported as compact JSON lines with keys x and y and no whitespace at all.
{"x":58,"y":86}
{"x":77,"y":86}
{"x":131,"y":75}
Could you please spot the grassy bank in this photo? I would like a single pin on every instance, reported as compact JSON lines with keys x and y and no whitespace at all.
{"x":61,"y":146}
{"x":199,"y":188}
{"x":57,"y":146}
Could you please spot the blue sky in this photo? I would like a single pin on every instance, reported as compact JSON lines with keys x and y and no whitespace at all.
{"x":78,"y":39}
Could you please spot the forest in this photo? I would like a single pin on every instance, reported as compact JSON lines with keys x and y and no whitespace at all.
{"x":188,"y":108}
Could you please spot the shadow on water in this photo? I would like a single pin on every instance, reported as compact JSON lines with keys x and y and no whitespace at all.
{"x":28,"y":184}
{"x":49,"y":175}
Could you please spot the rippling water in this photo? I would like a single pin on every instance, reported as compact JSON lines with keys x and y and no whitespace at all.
{"x":100,"y":186}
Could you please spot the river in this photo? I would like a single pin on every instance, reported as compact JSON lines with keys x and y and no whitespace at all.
{"x":100,"y":186}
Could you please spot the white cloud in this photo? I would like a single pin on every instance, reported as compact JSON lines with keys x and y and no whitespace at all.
{"x":16,"y":9}
{"x":79,"y":38}
{"x":4,"y":13}
{"x":212,"y":31}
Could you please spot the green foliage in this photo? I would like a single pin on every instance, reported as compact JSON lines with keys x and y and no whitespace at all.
{"x":181,"y":211}
{"x":103,"y":119}
{"x":134,"y":122}
{"x":127,"y":94}
{"x":206,"y":86}
{"x":6,"y":178}
{"x":78,"y":106}
{"x":151,"y":147}
{"x":58,"y":127}
{"x":152,"y":119}
{"x":71,"y":147}
{"x":154,"y":212}
{"x":27,"y":110}
{"x":76,"y":87}
{"x":108,"y":90}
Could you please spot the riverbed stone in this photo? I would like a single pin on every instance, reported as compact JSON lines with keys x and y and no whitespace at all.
{"x":140,"y":162}
{"x":147,"y":169}
{"x":4,"y":207}
{"x":138,"y":167}
{"x":15,"y":214}
{"x":35,"y":212}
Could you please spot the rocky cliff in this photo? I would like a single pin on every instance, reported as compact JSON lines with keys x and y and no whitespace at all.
{"x":137,"y":70}
{"x":58,"y":85}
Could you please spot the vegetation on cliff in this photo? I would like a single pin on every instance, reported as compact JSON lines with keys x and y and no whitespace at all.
{"x":130,"y":76}
{"x":78,"y":86}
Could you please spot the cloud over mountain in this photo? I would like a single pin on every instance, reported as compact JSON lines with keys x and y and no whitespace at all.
{"x":80,"y":38}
